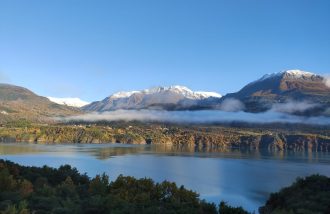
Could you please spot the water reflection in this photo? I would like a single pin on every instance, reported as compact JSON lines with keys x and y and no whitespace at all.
{"x":14,"y":148}
{"x":106,"y":151}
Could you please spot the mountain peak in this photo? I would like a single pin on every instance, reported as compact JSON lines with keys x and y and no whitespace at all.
{"x":74,"y":102}
{"x":298,"y":73}
{"x":173,"y":88}
{"x":294,"y":73}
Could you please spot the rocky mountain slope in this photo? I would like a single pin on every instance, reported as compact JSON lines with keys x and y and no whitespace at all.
{"x":167,"y":98}
{"x":20,"y":103}
{"x":292,"y":91}
{"x":283,"y":87}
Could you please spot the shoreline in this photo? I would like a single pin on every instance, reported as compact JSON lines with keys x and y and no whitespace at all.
{"x":195,"y":136}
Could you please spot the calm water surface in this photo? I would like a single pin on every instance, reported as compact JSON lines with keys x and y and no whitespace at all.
{"x":244,"y":178}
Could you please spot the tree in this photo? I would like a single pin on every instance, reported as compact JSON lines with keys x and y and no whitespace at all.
{"x":99,"y":185}
{"x":224,"y":208}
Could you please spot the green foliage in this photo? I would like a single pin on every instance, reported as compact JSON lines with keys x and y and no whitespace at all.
{"x":306,"y":195}
{"x":224,"y":208}
{"x":21,"y":123}
{"x":99,"y":185}
{"x":26,"y":190}
{"x":65,"y":190}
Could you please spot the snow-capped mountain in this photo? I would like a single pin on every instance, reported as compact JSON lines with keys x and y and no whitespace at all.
{"x":205,"y":94}
{"x":169,"y":98}
{"x":285,"y":86}
{"x":293,"y":86}
{"x":74,"y":102}
{"x":284,"y":82}
{"x":182,"y":90}
{"x":293,"y":74}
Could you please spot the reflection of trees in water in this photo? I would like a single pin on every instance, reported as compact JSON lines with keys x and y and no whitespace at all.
{"x":162,"y":149}
{"x":7,"y":149}
{"x":199,"y":151}
{"x":186,"y":148}
{"x":239,"y":153}
{"x":210,"y":152}
{"x":108,"y":152}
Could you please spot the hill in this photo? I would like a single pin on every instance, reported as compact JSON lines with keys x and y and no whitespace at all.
{"x":20,"y":103}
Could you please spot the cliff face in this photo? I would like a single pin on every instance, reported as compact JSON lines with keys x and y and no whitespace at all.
{"x":218,"y":137}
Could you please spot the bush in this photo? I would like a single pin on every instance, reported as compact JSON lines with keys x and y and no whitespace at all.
{"x":306,"y":195}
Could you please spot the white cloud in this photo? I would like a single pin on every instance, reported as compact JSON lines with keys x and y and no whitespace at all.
{"x":327,"y":80}
{"x":231,"y":105}
{"x":293,"y":106}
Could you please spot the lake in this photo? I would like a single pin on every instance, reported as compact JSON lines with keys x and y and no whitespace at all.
{"x":239,"y":177}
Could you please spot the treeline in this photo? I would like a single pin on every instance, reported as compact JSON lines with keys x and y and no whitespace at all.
{"x":306,"y":195}
{"x":200,"y":137}
{"x":36,"y":190}
{"x":234,"y":125}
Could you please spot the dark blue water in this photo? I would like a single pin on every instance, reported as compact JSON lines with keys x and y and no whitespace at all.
{"x":244,"y":178}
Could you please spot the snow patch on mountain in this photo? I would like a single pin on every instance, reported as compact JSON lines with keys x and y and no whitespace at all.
{"x":288,"y":73}
{"x":298,"y":73}
{"x":123,"y":94}
{"x":74,"y":102}
{"x":207,"y":94}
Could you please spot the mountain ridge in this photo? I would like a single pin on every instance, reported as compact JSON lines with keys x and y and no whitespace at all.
{"x":168,"y":98}
{"x":292,"y":91}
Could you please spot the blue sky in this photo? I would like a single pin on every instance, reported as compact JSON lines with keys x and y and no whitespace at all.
{"x":90,"y":49}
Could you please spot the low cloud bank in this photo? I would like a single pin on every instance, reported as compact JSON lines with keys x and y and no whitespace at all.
{"x":230,"y":110}
{"x":231,"y":105}
{"x":327,"y":80}
{"x":293,"y":106}
{"x":207,"y":116}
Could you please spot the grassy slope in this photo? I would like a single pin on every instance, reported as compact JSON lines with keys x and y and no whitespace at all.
{"x":20,"y":103}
